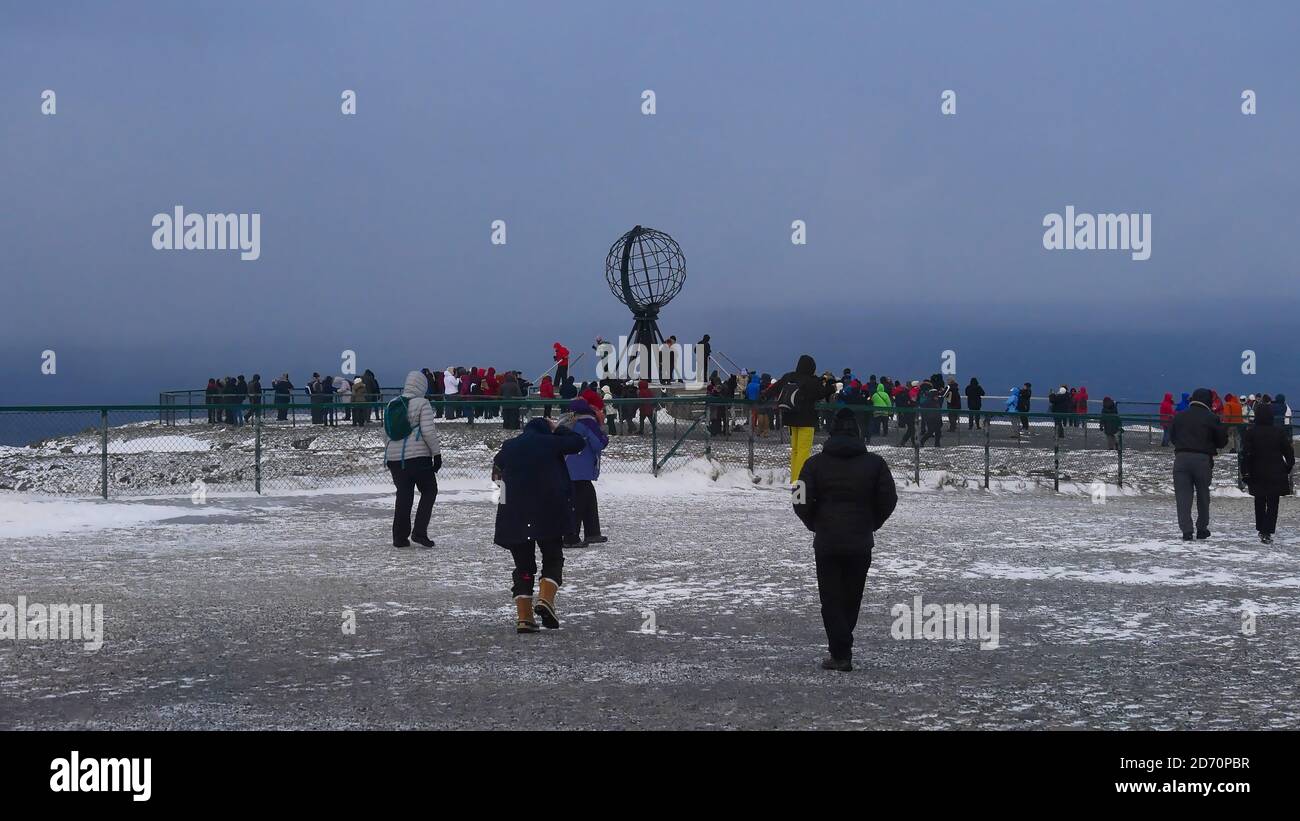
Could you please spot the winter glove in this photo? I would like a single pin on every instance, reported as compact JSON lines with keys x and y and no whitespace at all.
{"x":437,"y":462}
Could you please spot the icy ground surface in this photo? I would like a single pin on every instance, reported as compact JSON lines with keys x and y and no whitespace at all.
{"x":231,"y":617}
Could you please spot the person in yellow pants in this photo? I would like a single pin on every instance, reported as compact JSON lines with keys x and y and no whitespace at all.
{"x":801,"y":440}
{"x":797,"y":395}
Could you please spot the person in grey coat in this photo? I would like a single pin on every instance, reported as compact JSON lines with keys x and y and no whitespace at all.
{"x":1197,"y":435}
{"x":414,"y":462}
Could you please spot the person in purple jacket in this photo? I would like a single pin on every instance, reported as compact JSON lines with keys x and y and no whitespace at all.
{"x":584,"y":470}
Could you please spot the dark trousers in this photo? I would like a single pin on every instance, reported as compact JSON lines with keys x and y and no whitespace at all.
{"x":418,"y":473}
{"x":935,"y":429}
{"x":1266,"y":514}
{"x":910,"y":434}
{"x":526,"y":564}
{"x":586,"y":511}
{"x":972,"y":421}
{"x":841,"y":578}
{"x":1192,"y":473}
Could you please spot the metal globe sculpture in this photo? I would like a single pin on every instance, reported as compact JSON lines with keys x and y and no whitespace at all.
{"x":645,"y":269}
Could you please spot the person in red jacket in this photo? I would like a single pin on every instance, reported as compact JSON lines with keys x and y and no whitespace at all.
{"x":1081,"y":406}
{"x":1166,"y":417}
{"x":546,"y":390}
{"x":562,"y":362}
{"x":647,"y":407}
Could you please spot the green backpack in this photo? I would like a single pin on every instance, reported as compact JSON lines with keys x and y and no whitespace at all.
{"x":397,"y":425}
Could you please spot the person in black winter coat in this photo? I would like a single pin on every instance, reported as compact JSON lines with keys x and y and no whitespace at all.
{"x":1197,"y":435}
{"x":1267,"y":460}
{"x":535,"y":510}
{"x":1110,"y":423}
{"x":952,"y":398}
{"x":283,"y":387}
{"x":237,"y":397}
{"x":931,"y":402}
{"x":974,"y":402}
{"x":1023,"y":406}
{"x":510,"y":411}
{"x":844,"y":495}
{"x":1060,"y":403}
{"x":254,"y":398}
{"x":568,"y":390}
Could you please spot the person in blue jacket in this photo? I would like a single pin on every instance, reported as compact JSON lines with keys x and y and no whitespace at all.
{"x":584,"y":470}
{"x":535,"y":512}
{"x":1184,"y":403}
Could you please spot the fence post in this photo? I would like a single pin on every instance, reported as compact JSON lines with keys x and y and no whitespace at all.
{"x":1056,"y":463}
{"x":103,"y":452}
{"x":708,"y":432}
{"x":1121,"y":455}
{"x":257,"y":451}
{"x":986,"y":453}
{"x":750,"y":428}
{"x":916,"y":461}
{"x":654,"y":440}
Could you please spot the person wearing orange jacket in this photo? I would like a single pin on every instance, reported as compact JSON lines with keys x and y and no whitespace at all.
{"x":1234,"y":419}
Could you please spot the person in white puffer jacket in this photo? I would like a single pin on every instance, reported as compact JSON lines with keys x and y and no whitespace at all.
{"x":414,"y":462}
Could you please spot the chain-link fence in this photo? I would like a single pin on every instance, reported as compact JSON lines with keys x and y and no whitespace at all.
{"x":150,"y":449}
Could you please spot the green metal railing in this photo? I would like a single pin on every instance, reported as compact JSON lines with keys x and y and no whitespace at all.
{"x":116,"y":450}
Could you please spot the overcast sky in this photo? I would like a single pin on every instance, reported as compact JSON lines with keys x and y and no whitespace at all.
{"x":924,"y":231}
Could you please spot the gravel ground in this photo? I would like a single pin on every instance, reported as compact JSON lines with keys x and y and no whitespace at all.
{"x":233,"y":620}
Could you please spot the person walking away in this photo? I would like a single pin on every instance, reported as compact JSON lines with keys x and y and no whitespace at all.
{"x":1233,"y":420}
{"x":844,"y":495}
{"x":584,"y":470}
{"x":510,"y":394}
{"x":1267,"y":460}
{"x":414,"y":457}
{"x":974,"y":402}
{"x":953,"y":394}
{"x":1110,"y":422}
{"x":535,"y":513}
{"x":1197,"y":435}
{"x":882,"y":406}
{"x":797,"y":393}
